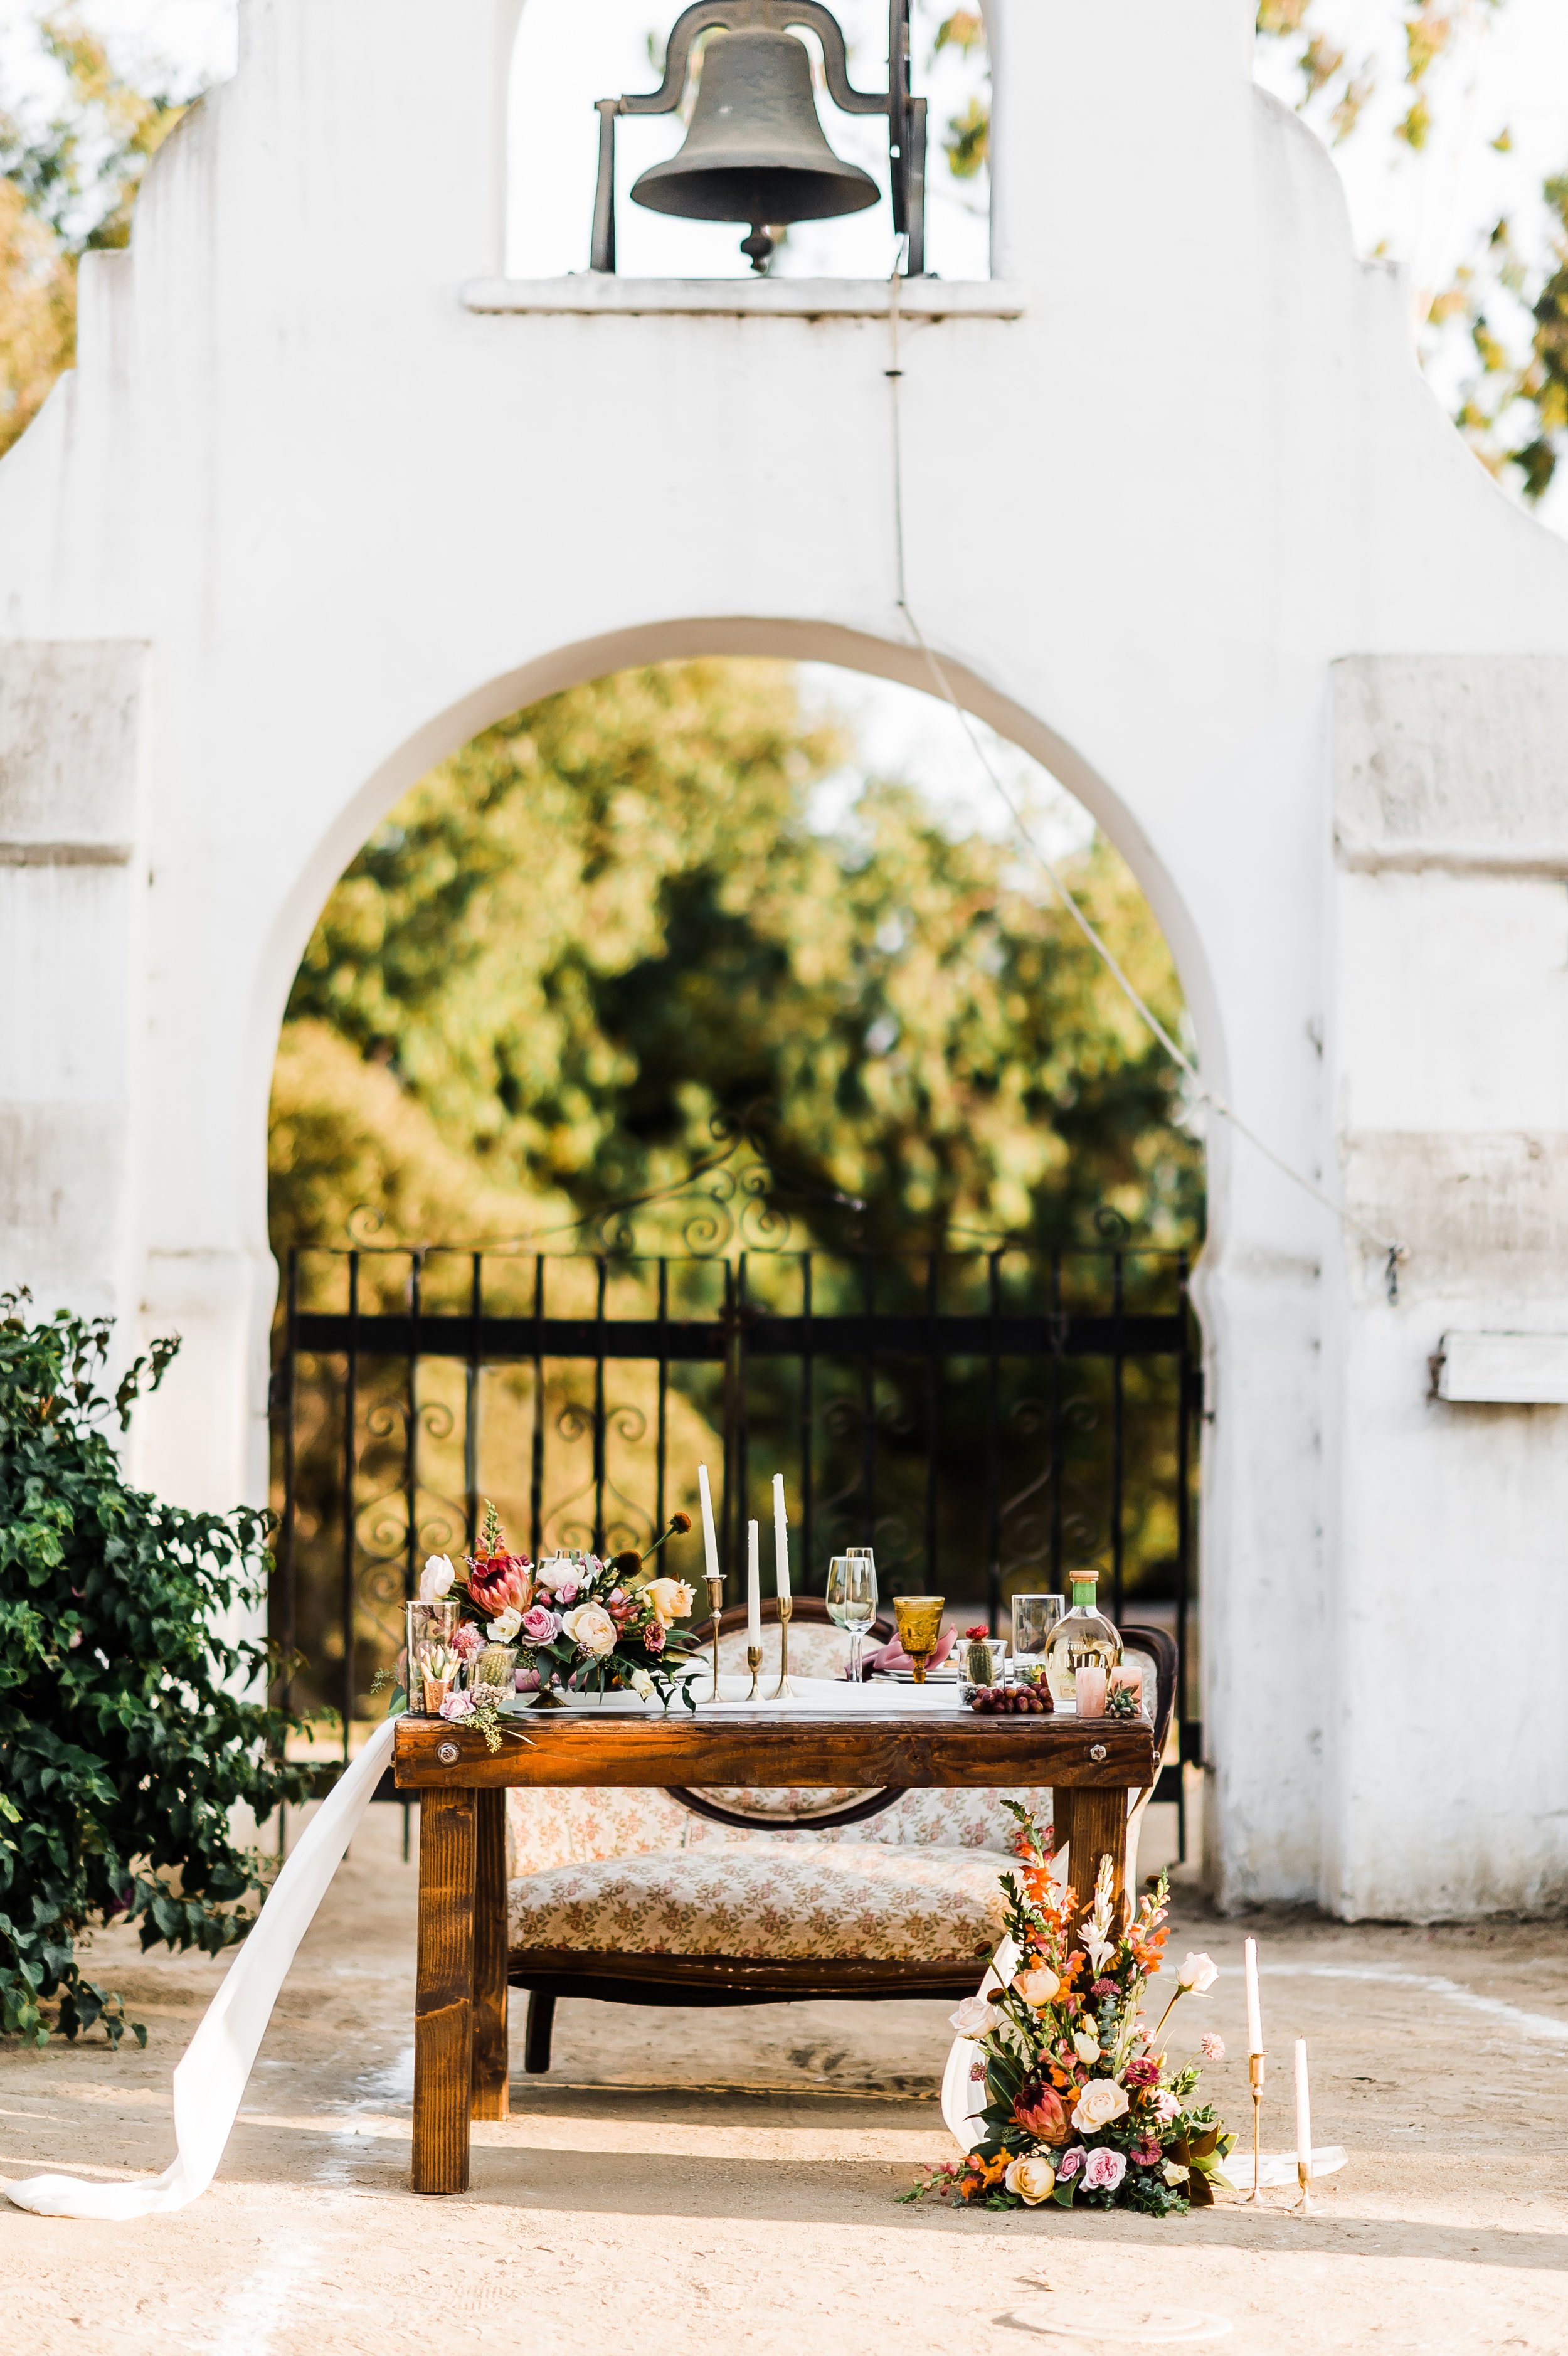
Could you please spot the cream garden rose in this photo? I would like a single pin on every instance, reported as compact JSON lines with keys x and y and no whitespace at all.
{"x":1101,"y":2101}
{"x":1086,"y":2045}
{"x":974,"y":2017}
{"x":671,"y":1599}
{"x":592,"y":1628}
{"x":505,"y":1626}
{"x":436,"y":1579}
{"x":1198,"y":1973}
{"x":1033,"y":2178}
{"x":1039,"y":1984}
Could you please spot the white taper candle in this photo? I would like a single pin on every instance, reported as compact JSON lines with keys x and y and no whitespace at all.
{"x":709,"y":1537}
{"x":781,"y":1540}
{"x":1254,"y":2011}
{"x":1303,"y":2110}
{"x":753,"y":1588}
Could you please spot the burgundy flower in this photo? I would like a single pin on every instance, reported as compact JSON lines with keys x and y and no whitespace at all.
{"x":1038,"y":2110}
{"x":1105,"y":1987}
{"x":499,"y":1581}
{"x":653,"y":1636}
{"x":1142,"y":2072}
{"x":1144,"y":2153}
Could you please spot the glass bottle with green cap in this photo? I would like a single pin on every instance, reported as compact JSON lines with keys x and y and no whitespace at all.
{"x":1082,"y":1639}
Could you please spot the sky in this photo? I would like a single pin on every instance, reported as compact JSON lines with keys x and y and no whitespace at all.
{"x":1507,"y":70}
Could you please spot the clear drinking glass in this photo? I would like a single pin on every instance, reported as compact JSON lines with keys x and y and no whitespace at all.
{"x":1034,"y":1625}
{"x":852,"y":1599}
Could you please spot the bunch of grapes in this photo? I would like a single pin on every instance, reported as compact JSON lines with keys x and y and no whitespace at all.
{"x":1001,"y":1701}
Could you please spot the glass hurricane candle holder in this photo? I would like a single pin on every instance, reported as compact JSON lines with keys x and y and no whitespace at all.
{"x":432,"y":1663}
{"x":982,"y":1661}
{"x":495,"y":1670}
{"x":1034,"y":1619}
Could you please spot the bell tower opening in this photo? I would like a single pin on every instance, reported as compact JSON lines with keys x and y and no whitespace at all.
{"x":702,"y":147}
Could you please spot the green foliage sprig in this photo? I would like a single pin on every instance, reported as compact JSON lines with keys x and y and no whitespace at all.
{"x":126,"y":1736}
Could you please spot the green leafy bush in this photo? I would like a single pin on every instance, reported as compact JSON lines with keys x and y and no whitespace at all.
{"x":125,"y":1736}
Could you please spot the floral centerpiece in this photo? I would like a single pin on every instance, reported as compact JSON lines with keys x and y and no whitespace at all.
{"x":1083,"y":2107}
{"x":576,"y":1622}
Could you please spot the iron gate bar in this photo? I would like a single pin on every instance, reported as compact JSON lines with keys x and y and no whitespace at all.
{"x":287,"y":1533}
{"x":1058,"y":1428}
{"x":350,"y":1515}
{"x":1119,"y":1365}
{"x":471,"y":1407}
{"x":602,"y":1276}
{"x":536,"y":1467}
{"x":662,"y":1444}
{"x":933,"y":1401}
{"x":807,"y":1409}
{"x":993,"y":1436}
{"x":411,"y":1412}
{"x":1070,"y":1334}
{"x":869,"y":1396}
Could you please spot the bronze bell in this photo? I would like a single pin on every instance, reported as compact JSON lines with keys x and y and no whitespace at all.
{"x":755,"y":151}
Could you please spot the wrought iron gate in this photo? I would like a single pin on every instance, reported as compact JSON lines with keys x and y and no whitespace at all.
{"x":986,"y":1420}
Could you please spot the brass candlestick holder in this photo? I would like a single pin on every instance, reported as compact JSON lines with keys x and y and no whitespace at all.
{"x":715,"y":1601}
{"x":1303,"y":2178}
{"x":754,"y":1662}
{"x":784,"y":1690}
{"x":1255,"y":2075}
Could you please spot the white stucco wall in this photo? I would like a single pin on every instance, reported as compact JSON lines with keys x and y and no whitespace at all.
{"x":1190,"y":529}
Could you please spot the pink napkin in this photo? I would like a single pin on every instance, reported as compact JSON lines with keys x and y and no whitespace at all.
{"x":894,"y":1657}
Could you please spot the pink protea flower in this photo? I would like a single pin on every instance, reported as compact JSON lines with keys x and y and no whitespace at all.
{"x":1104,"y":2169}
{"x":1038,"y":2108}
{"x":1213,"y":2049}
{"x":499,"y":1581}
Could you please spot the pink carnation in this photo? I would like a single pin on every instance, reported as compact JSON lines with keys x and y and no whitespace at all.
{"x":1213,"y":2049}
{"x":1104,"y":2169}
{"x":467,"y":1642}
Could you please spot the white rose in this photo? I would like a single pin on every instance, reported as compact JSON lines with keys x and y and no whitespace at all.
{"x":974,"y":2017}
{"x":436,"y":1579}
{"x":1198,"y":1973}
{"x":591,"y":1628}
{"x":1101,"y":2101}
{"x":1032,"y":2178}
{"x":1086,"y":2045}
{"x":1173,"y":2173}
{"x":642,"y":1685}
{"x":505,"y":1626}
{"x":560,"y":1571}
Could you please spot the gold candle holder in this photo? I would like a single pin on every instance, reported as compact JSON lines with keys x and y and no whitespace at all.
{"x":1303,"y":2178}
{"x":1256,"y":2077}
{"x":784,"y":1690}
{"x":715,"y":1601}
{"x":754,"y":1662}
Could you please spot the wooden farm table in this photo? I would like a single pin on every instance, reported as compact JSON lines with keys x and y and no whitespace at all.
{"x":1093,"y":1766}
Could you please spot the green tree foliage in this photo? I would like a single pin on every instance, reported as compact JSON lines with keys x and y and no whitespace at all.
{"x":68,"y":181}
{"x":125,"y":1742}
{"x":609,"y":920}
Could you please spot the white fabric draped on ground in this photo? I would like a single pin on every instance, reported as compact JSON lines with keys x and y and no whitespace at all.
{"x":209,"y":2082}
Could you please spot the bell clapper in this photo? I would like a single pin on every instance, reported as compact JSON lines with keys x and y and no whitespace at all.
{"x":758,"y":249}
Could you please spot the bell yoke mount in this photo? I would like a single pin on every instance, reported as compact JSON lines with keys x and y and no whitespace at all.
{"x":755,"y":151}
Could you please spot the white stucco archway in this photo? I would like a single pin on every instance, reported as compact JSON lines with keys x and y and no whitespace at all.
{"x":324,"y":496}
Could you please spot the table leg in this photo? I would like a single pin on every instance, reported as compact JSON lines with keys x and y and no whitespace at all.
{"x":492,"y":2059}
{"x":444,"y":2000}
{"x":1099,"y":1830}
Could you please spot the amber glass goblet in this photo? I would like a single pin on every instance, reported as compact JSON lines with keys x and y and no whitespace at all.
{"x":919,"y":1619}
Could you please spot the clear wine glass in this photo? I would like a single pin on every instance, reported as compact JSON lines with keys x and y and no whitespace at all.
{"x":852,"y":1600}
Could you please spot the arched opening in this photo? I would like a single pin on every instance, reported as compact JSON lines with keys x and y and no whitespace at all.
{"x":711,"y":1004}
{"x":561,"y":65}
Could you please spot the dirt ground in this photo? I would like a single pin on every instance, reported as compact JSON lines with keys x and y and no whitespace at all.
{"x":727,"y":2180}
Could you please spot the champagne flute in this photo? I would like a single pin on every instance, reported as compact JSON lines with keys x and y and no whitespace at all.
{"x":852,"y":1600}
{"x":919,"y":1621}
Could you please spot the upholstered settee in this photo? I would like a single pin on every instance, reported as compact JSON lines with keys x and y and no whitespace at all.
{"x":761,"y":1895}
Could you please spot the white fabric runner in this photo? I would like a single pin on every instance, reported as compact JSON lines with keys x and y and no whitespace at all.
{"x":811,"y":1697}
{"x":209,"y":2081}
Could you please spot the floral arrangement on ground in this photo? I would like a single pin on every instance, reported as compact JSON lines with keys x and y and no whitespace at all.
{"x":577,"y":1623}
{"x":1081,"y":2107}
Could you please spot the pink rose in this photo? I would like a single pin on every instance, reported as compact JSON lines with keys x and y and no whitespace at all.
{"x":467,"y":1642}
{"x":566,"y":1594}
{"x":1166,"y":2104}
{"x":457,"y":1706}
{"x":1068,"y":2166}
{"x":1104,"y":2169}
{"x":528,"y":1681}
{"x":540,"y":1625}
{"x":1213,"y":2049}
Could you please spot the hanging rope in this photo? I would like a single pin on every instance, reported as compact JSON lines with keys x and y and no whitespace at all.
{"x":1393,"y":1253}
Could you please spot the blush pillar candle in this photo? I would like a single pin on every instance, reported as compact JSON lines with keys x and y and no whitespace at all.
{"x":710,"y":1538}
{"x":754,"y":1589}
{"x":1089,"y":1688}
{"x":1254,"y":2011}
{"x":781,"y":1540}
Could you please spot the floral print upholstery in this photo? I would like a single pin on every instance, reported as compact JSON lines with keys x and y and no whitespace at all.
{"x":770,"y":1900}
